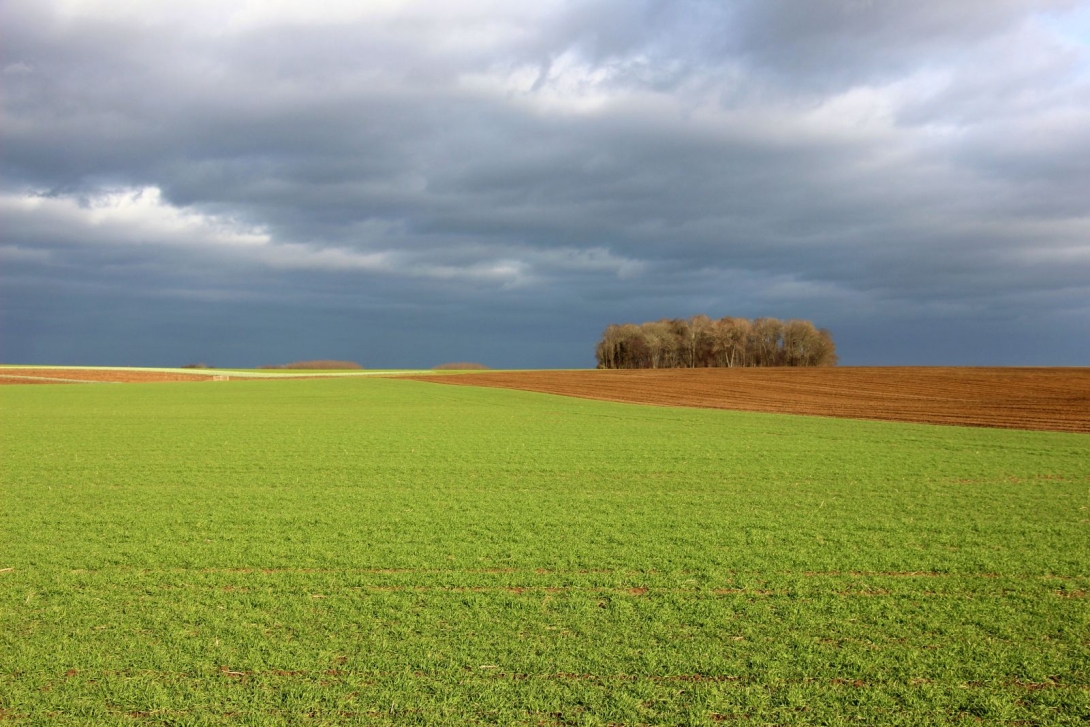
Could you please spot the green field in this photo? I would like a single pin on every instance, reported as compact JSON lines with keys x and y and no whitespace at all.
{"x":374,"y":551}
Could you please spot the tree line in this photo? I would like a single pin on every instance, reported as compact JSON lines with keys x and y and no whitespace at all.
{"x":701,"y":341}
{"x":320,"y":364}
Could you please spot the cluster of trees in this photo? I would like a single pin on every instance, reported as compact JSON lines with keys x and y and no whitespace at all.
{"x":461,"y":366}
{"x":703,"y":342}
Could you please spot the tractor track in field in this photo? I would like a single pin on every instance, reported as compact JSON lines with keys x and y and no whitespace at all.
{"x":1046,"y":399}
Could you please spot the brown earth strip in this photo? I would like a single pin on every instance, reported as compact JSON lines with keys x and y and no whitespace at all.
{"x":78,"y":376}
{"x":1048,"y":399}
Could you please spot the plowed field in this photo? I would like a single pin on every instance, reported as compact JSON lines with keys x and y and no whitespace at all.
{"x":92,"y":376}
{"x":1025,"y":398}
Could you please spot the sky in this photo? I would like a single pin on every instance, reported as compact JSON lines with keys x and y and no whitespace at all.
{"x":405,"y":183}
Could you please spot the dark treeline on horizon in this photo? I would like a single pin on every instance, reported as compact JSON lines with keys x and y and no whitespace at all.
{"x":701,"y":342}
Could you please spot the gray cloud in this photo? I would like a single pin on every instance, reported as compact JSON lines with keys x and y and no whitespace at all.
{"x":503,"y":171}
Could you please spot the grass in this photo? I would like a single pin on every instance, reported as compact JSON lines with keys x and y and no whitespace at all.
{"x":375,"y":551}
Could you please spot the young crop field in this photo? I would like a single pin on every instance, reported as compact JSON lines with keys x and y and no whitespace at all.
{"x":386,"y":551}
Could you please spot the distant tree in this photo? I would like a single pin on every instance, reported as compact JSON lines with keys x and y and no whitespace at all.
{"x":614,"y":350}
{"x":766,"y":340}
{"x":730,"y":336}
{"x":825,"y":349}
{"x":662,"y":343}
{"x":798,"y":342}
{"x":623,"y":347}
{"x":805,"y":345}
{"x":695,"y":340}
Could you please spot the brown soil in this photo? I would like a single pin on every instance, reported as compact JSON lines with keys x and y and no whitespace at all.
{"x":1051,"y":399}
{"x":78,"y":376}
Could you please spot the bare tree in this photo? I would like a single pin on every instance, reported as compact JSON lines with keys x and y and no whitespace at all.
{"x":799,"y":338}
{"x":608,"y":351}
{"x":698,"y":340}
{"x":622,"y":347}
{"x":660,"y":341}
{"x":766,"y":337}
{"x":825,"y":349}
{"x":730,"y":336}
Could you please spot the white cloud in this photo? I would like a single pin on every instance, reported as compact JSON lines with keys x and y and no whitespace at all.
{"x":142,"y":219}
{"x":130,"y":217}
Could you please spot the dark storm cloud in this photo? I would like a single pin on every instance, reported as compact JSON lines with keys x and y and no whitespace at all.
{"x":502,"y":172}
